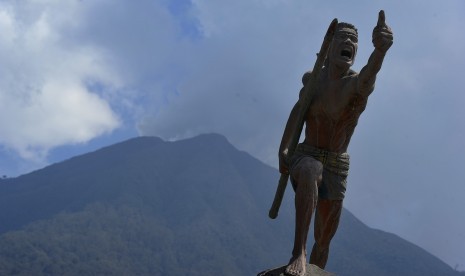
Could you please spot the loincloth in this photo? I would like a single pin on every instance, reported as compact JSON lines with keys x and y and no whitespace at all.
{"x":335,"y":170}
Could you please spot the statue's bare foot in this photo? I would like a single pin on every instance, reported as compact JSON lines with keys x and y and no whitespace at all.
{"x":296,"y":266}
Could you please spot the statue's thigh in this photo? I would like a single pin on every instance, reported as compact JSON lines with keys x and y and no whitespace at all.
{"x":306,"y":168}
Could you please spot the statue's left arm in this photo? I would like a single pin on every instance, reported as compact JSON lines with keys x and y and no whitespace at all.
{"x":382,"y":41}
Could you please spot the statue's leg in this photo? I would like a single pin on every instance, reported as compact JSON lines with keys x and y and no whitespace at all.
{"x":327,"y":215}
{"x":307,"y":174}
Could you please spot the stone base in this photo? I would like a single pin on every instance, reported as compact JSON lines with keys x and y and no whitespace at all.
{"x":312,"y":270}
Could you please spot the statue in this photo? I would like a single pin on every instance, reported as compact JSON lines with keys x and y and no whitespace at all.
{"x":318,"y":167}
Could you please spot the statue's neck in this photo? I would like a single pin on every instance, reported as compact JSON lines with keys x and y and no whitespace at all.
{"x":335,"y":71}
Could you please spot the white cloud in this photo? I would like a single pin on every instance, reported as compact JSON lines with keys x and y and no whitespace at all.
{"x":44,"y":97}
{"x":242,"y":76}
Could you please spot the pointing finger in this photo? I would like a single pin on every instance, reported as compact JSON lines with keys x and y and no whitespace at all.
{"x":381,"y":19}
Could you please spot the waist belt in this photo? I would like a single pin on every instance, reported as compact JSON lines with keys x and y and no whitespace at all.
{"x":337,"y":163}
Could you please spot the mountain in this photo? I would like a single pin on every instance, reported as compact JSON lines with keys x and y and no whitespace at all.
{"x":192,"y":207}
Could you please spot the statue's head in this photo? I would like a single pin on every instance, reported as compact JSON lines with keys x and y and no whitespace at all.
{"x":344,"y":46}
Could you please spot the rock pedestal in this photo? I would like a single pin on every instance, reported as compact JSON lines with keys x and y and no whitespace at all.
{"x":312,"y":270}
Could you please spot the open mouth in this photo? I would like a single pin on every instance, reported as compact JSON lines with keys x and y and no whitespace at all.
{"x":346,"y":53}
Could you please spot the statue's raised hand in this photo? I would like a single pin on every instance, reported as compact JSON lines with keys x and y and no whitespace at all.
{"x":382,"y":34}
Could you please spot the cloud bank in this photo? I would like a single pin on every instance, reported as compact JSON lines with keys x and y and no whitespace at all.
{"x":45,"y":97}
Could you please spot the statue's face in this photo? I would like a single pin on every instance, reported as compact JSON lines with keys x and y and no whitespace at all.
{"x":344,"y":48}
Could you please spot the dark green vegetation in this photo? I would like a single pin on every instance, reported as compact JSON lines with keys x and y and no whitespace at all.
{"x":193,"y":207}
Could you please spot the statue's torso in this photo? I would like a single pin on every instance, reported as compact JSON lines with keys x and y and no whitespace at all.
{"x":333,"y":113}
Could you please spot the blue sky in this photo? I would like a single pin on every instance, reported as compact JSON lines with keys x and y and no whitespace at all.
{"x":79,"y":75}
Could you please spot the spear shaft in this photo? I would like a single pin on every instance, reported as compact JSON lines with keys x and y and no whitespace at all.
{"x":306,"y":98}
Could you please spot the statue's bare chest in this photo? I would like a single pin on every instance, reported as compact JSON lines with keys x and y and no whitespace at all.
{"x":332,"y":101}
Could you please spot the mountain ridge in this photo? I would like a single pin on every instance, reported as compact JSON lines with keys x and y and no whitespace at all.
{"x":197,"y":206}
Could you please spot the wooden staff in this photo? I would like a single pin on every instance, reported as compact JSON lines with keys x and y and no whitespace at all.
{"x":309,"y":91}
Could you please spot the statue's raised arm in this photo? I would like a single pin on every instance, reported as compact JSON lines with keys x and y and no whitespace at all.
{"x":382,"y":41}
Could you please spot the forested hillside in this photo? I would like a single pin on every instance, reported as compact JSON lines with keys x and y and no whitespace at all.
{"x":192,"y":207}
